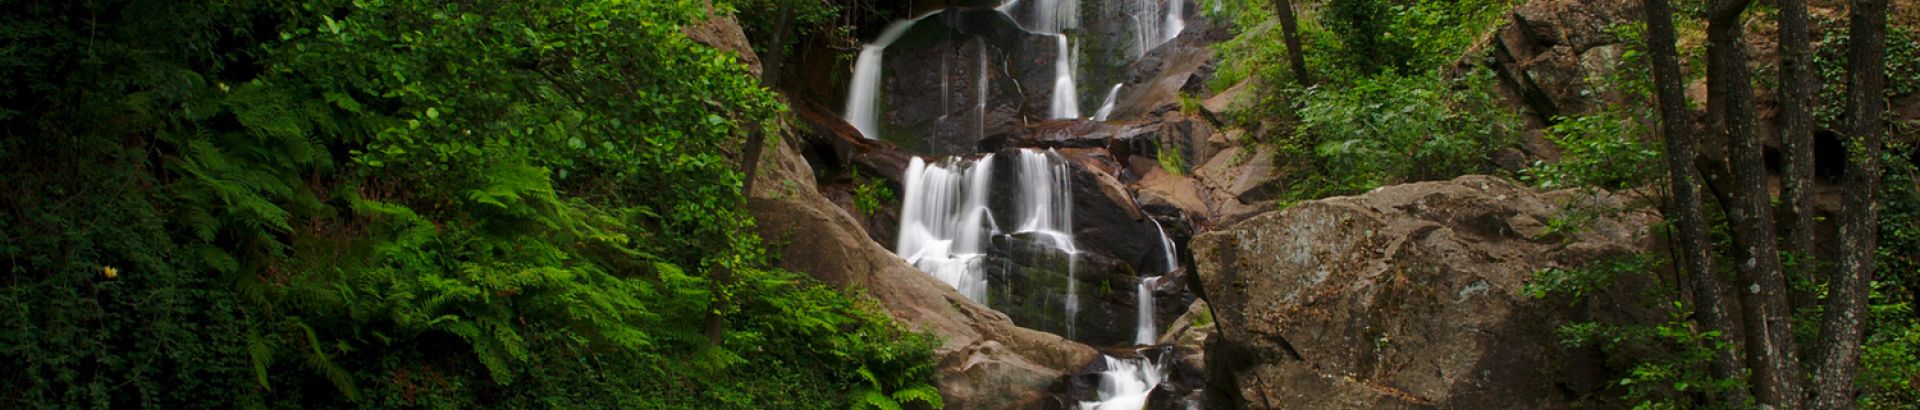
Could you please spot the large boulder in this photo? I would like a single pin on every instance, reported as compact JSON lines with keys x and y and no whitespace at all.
{"x":1406,"y":297}
{"x":1551,"y":49}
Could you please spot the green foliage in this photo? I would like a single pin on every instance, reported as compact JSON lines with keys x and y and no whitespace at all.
{"x":808,"y":18}
{"x":1367,"y":26}
{"x":1578,"y":282}
{"x":1830,"y":65}
{"x":1665,"y":364}
{"x":1890,"y":358}
{"x":1606,"y":150}
{"x":1390,"y":129}
{"x":870,"y":196}
{"x":1171,"y":161}
{"x":399,"y":203}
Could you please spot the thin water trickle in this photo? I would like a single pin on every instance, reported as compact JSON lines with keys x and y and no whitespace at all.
{"x":1106,"y":107}
{"x":1144,"y":333}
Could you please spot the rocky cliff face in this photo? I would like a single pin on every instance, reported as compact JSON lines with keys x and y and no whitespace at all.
{"x":1405,"y":297}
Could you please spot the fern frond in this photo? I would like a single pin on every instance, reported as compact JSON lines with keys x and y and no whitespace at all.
{"x":921,"y":393}
{"x":864,"y":398}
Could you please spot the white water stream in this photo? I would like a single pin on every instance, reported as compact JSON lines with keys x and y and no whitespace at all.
{"x":1065,"y":103}
{"x":1106,"y":107}
{"x":863,"y":98}
{"x":1126,"y":383}
{"x":944,"y":221}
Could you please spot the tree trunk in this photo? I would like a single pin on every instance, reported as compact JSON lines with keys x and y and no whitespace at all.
{"x":776,"y":50}
{"x":1845,"y":319}
{"x":1290,"y":30}
{"x":1770,"y":350}
{"x":1709,"y":293}
{"x":750,"y":164}
{"x":1796,"y":139}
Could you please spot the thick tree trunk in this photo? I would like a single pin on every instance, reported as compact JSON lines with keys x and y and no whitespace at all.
{"x":1797,"y":86}
{"x":1770,"y":350}
{"x":1841,"y":329}
{"x":1709,"y":293}
{"x":1290,"y":29}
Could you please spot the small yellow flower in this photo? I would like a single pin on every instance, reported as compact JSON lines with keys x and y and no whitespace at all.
{"x":110,"y":271}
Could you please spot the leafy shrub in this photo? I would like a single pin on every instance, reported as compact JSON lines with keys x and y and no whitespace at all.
{"x":870,"y":196}
{"x":1171,"y":162}
{"x":1390,"y":129}
{"x":1606,"y":150}
{"x":1665,"y":364}
{"x":338,"y":203}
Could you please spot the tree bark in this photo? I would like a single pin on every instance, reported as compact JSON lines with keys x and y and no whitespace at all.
{"x":1845,"y":321}
{"x":1769,"y":333}
{"x":1709,"y":293}
{"x":1290,"y":30}
{"x":1797,"y":86}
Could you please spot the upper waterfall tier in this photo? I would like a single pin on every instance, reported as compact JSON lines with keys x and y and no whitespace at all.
{"x":942,"y":82}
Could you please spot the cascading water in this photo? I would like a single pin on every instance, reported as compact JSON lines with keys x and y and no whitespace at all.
{"x":951,"y":225}
{"x":1154,"y":25}
{"x":1106,"y":107}
{"x":863,"y":99}
{"x":1176,"y":20}
{"x":1046,"y":200}
{"x":945,"y":220}
{"x":1065,"y":103}
{"x":1126,"y":384}
{"x":1144,"y":333}
{"x":1047,"y":16}
{"x":1166,"y":247}
{"x":1146,"y":31}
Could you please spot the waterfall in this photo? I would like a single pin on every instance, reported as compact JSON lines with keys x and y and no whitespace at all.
{"x":1065,"y":103}
{"x":1154,"y":25}
{"x":1106,"y":107}
{"x":945,"y":221}
{"x":1146,"y":31}
{"x":1166,"y":247}
{"x":1143,"y":332}
{"x":980,"y":131}
{"x":1047,"y":16}
{"x":864,"y":97}
{"x":1126,"y":383}
{"x":1176,"y":19}
{"x":1046,"y":203}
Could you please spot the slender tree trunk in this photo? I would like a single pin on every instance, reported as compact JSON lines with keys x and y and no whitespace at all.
{"x":1796,"y":139}
{"x":1770,"y":350}
{"x":1709,"y":293}
{"x":1290,"y":29}
{"x":750,"y":165}
{"x":1845,"y":320}
{"x":777,"y":49}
